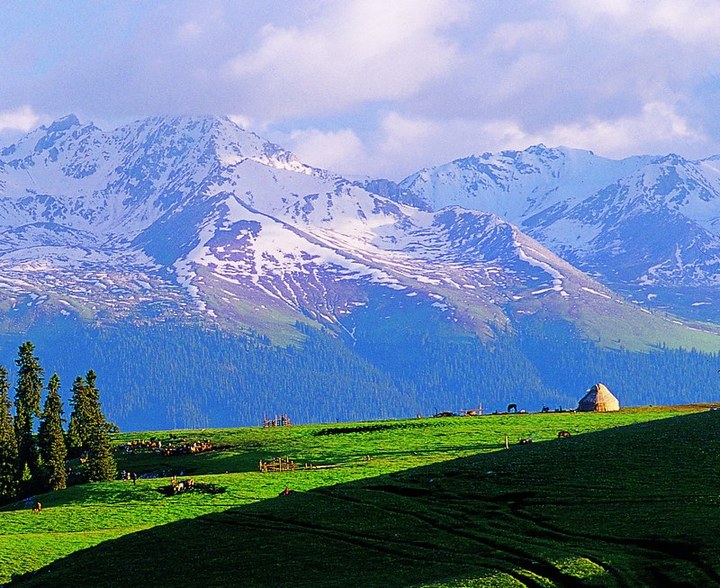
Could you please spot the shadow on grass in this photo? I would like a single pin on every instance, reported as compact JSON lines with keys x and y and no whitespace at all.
{"x":637,"y":505}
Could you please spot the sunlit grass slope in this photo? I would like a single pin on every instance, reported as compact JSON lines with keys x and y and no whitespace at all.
{"x":438,"y":503}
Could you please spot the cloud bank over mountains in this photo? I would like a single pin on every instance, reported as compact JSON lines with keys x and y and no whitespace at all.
{"x":377,"y":87}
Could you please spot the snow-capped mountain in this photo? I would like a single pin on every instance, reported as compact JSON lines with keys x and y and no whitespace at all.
{"x":641,"y":223}
{"x":197,"y":219}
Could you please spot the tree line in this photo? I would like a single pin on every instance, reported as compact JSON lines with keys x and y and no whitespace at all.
{"x":33,"y":462}
{"x":416,"y":361}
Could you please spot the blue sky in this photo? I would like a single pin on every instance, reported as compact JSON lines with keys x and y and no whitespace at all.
{"x":377,"y":87}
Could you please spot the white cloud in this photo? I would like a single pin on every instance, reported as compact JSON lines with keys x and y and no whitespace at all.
{"x":341,"y":151}
{"x":392,"y":151}
{"x":658,"y":126}
{"x":384,"y":87}
{"x":22,"y":119}
{"x":241,"y":120}
{"x":401,"y":142}
{"x":189,"y":30}
{"x":509,"y":36}
{"x":688,"y":21}
{"x":350,"y":53}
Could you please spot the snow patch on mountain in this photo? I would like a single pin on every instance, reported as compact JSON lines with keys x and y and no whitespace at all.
{"x":646,"y":220}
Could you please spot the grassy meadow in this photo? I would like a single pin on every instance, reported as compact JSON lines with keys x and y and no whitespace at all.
{"x":630,"y":499}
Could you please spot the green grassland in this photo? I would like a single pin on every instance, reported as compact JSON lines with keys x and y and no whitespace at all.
{"x":630,"y":499}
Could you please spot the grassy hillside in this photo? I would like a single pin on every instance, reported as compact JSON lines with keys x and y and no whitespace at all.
{"x":630,"y":499}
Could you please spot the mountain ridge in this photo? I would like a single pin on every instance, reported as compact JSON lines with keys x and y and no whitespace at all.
{"x":211,"y":277}
{"x":205,"y":221}
{"x":648,"y":226}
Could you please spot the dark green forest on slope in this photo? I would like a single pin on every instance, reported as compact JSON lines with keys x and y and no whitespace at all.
{"x":172,"y":376}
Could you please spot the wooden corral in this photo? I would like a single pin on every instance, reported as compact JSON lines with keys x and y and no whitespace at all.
{"x":285,"y":464}
{"x":278,"y":464}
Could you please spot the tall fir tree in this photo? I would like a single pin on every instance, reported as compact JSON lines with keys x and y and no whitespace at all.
{"x":101,"y":464}
{"x":80,"y":418}
{"x":51,"y":438}
{"x":94,"y":395}
{"x":89,"y":431}
{"x":9,"y":483}
{"x":28,"y":392}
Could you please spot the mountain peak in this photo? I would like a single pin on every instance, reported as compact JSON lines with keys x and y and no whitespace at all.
{"x":63,"y":124}
{"x":539,"y":148}
{"x":672,"y":159}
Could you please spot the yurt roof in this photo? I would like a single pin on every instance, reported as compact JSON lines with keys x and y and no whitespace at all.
{"x":599,"y":395}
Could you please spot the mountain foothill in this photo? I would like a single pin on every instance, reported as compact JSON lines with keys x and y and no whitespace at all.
{"x":212,"y":278}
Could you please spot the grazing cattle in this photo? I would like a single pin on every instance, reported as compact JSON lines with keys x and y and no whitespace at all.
{"x":512,"y":408}
{"x":445,"y":413}
{"x":563,"y":434}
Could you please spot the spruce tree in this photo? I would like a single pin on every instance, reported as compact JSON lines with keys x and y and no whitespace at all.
{"x":94,"y":395}
{"x":28,"y":392}
{"x":51,"y":438}
{"x":8,"y":444}
{"x":90,"y":431}
{"x":80,"y":418}
{"x":101,"y":464}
